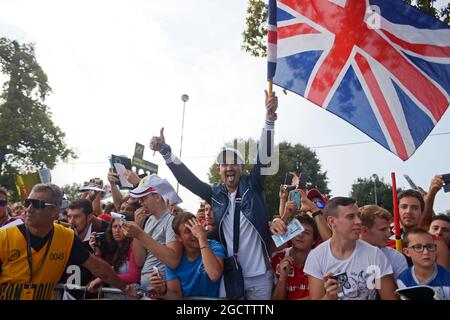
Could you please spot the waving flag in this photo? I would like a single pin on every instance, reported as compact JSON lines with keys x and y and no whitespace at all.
{"x":383,"y":66}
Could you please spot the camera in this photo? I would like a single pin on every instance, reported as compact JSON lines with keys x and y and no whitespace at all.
{"x":99,"y":237}
{"x":342,"y":278}
{"x":446,"y":178}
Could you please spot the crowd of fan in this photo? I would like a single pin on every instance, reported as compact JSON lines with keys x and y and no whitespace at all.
{"x":166,"y":252}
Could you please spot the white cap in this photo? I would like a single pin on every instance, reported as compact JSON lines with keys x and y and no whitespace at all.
{"x":154,"y":184}
{"x":230,"y":156}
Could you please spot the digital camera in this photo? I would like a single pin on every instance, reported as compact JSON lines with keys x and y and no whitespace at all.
{"x":99,"y":237}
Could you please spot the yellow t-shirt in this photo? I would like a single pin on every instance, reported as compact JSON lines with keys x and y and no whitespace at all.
{"x":15,"y":272}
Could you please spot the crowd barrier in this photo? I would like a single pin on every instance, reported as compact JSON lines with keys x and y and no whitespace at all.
{"x":108,"y":293}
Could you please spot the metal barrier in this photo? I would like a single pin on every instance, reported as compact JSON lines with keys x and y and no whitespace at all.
{"x":108,"y":293}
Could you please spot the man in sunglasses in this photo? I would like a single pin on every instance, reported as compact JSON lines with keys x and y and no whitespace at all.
{"x":420,"y":246}
{"x":34,"y":255}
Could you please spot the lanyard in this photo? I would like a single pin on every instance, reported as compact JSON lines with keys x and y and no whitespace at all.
{"x":29,"y":256}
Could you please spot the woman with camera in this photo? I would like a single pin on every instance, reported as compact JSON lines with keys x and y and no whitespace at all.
{"x":118,"y":251}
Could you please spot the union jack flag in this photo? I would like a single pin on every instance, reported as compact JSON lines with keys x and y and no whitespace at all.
{"x":383,"y":66}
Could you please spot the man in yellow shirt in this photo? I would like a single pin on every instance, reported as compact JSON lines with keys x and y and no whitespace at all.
{"x":33,"y":256}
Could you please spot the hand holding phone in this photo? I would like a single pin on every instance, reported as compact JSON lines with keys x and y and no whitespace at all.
{"x":156,"y":270}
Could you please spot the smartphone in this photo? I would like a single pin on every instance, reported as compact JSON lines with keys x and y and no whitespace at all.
{"x":446,"y":179}
{"x":411,"y":183}
{"x":155,"y":269}
{"x":288,"y":179}
{"x":201,"y":215}
{"x":297,"y":198}
{"x":116,"y":215}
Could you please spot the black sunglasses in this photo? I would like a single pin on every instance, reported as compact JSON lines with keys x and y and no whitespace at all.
{"x":38,"y":204}
{"x":3,"y":203}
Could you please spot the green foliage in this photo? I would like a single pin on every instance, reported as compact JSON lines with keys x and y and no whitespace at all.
{"x":296,"y":158}
{"x":254,"y":36}
{"x":427,"y":6}
{"x":71,"y":191}
{"x":363,"y":190}
{"x":29,"y":140}
{"x":445,"y":14}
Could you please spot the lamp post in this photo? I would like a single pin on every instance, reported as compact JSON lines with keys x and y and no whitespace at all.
{"x":184,"y":98}
{"x":374,"y":176}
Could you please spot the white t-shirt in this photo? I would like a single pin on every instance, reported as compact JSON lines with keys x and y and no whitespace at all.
{"x":364,"y":265}
{"x":396,"y":259}
{"x":250,"y":253}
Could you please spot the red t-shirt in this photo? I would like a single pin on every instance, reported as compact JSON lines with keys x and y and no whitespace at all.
{"x":297,"y":286}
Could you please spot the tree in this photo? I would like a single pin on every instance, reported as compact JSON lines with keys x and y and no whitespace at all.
{"x":254,"y":36}
{"x":297,"y":158}
{"x":445,"y":14}
{"x":71,"y":191}
{"x":363,"y":190}
{"x":256,"y":31}
{"x":29,"y":139}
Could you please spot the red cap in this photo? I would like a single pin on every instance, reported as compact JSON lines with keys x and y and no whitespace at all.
{"x":312,"y":193}
{"x":105,"y":216}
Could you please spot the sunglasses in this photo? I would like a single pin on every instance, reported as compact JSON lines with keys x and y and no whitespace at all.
{"x":3,"y":203}
{"x":320,"y":204}
{"x":38,"y":204}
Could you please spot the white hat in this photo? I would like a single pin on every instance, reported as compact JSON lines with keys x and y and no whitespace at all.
{"x":154,"y":184}
{"x":230,"y":156}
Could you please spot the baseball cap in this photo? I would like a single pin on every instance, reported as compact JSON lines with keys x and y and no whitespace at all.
{"x":314,"y":193}
{"x":154,"y":184}
{"x":230,"y":156}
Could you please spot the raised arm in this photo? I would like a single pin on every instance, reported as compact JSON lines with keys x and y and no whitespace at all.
{"x":428,"y":213}
{"x":213,"y":264}
{"x":264,"y":165}
{"x":113,"y":178}
{"x":183,"y":175}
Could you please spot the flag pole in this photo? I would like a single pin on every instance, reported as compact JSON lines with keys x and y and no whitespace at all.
{"x":398,"y":236}
{"x":270,"y":87}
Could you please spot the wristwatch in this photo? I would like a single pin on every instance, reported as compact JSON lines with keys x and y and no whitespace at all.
{"x":316,"y":213}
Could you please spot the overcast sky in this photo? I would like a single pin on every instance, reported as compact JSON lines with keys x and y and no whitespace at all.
{"x":118,"y":70}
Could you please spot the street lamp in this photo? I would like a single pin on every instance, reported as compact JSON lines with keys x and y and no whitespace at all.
{"x":374,"y":176}
{"x":184,"y":98}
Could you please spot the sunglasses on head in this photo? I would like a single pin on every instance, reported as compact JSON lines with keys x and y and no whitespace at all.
{"x":38,"y":204}
{"x":3,"y":203}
